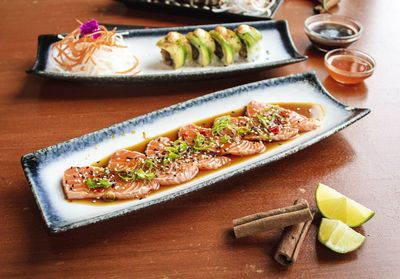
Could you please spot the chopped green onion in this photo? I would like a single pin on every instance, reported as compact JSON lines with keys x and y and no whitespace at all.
{"x":138,"y":174}
{"x":242,"y":130}
{"x":150,"y":164}
{"x":173,"y":156}
{"x":225,"y":139}
{"x":180,"y":145}
{"x":201,"y":143}
{"x":175,"y":151}
{"x":172,"y":149}
{"x":264,"y":121}
{"x":90,"y":183}
{"x":142,"y":175}
{"x":221,"y":124}
{"x":126,"y":176}
{"x":98,"y":183}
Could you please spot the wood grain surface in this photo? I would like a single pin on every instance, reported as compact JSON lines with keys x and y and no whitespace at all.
{"x":191,"y":237}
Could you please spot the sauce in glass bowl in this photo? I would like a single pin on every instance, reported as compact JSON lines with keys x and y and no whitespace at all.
{"x":349,"y":66}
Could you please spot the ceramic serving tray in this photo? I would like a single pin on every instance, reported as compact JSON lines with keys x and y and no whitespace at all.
{"x":277,"y":50}
{"x":44,"y":168}
{"x":190,"y":8}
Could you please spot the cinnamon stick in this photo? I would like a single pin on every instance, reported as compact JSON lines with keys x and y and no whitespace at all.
{"x":291,"y":241}
{"x":277,"y":218}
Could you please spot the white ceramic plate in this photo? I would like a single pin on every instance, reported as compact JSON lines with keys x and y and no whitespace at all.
{"x":44,"y":168}
{"x":277,"y":49}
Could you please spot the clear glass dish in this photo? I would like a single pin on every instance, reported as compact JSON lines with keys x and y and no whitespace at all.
{"x":349,"y":66}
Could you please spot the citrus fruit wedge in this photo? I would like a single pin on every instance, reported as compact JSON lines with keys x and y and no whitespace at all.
{"x":335,"y":205}
{"x":339,"y":237}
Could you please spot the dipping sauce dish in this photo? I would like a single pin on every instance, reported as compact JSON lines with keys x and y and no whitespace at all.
{"x":349,"y":66}
{"x":328,"y":32}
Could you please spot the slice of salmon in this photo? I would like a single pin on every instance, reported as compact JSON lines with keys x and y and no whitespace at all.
{"x":304,"y":124}
{"x":243,"y":148}
{"x":176,"y":173}
{"x":189,"y":132}
{"x":157,"y":146}
{"x":210,"y":162}
{"x":255,"y":107}
{"x":297,"y":121}
{"x":75,"y":188}
{"x":125,"y":159}
{"x":232,"y":124}
{"x":284,"y":133}
{"x":235,"y":146}
{"x":133,"y":190}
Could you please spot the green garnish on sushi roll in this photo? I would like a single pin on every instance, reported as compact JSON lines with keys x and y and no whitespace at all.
{"x":250,"y":38}
{"x":227,"y":44}
{"x":175,"y":49}
{"x":203,"y":46}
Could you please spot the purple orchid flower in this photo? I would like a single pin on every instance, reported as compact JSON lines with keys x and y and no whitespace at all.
{"x":90,"y":27}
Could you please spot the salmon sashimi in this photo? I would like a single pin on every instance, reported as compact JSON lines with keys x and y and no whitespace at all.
{"x":98,"y":183}
{"x":211,"y":162}
{"x":157,"y":146}
{"x":244,"y":148}
{"x":221,"y":140}
{"x":189,"y":132}
{"x":176,"y":173}
{"x":125,"y":159}
{"x":304,"y":124}
{"x":254,"y":128}
{"x":178,"y":151}
{"x":173,"y":163}
{"x":284,"y":133}
{"x":133,"y":175}
{"x":255,"y":107}
{"x":297,"y":121}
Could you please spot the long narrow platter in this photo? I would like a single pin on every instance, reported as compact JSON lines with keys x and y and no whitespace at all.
{"x":44,"y":168}
{"x":190,"y":8}
{"x":278,"y":50}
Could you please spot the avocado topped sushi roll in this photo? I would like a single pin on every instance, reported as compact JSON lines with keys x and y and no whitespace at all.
{"x":227,"y":44}
{"x":203,"y":46}
{"x":250,"y":37}
{"x":175,"y":49}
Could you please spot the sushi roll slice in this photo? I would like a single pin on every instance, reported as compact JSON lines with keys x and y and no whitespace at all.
{"x":250,"y":38}
{"x":227,"y":44}
{"x":203,"y":46}
{"x":175,"y":49}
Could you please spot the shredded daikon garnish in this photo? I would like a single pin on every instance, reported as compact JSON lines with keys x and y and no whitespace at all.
{"x":92,"y":49}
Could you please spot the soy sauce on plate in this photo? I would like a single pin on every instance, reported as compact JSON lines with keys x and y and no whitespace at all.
{"x":311,"y":110}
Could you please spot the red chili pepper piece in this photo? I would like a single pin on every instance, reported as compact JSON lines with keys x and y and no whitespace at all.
{"x":275,"y":130}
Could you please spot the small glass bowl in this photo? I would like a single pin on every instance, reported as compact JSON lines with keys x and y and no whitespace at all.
{"x":349,"y":66}
{"x":326,"y":43}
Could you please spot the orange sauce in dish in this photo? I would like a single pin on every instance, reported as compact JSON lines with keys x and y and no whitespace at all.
{"x":309,"y":110}
{"x":349,"y":69}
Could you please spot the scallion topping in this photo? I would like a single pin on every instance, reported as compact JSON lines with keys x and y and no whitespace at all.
{"x":221,"y":124}
{"x":225,"y":139}
{"x":93,"y":183}
{"x":201,"y":143}
{"x":138,"y":174}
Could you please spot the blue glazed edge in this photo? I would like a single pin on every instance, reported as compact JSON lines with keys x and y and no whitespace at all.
{"x":44,"y":42}
{"x":191,"y":11}
{"x":31,"y":162}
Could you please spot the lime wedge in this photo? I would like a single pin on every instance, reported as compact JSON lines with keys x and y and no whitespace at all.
{"x":335,"y":205}
{"x":339,"y":237}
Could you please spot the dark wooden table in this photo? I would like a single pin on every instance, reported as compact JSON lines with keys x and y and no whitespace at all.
{"x":190,"y":237}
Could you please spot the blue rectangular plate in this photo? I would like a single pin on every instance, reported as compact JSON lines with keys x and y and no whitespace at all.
{"x":44,"y":168}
